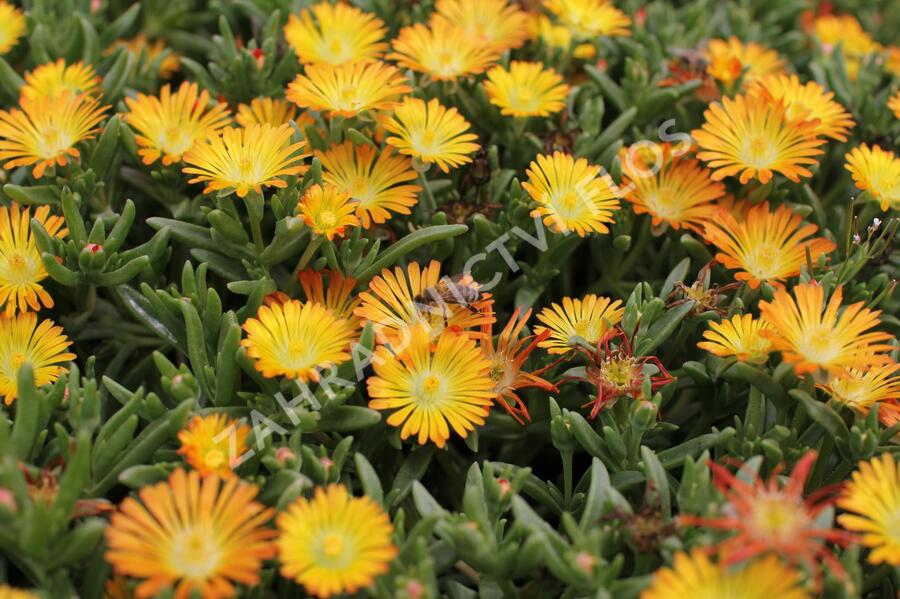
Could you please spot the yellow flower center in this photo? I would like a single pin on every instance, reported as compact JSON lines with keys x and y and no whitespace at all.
{"x":335,"y":49}
{"x":431,"y":384}
{"x":194,"y":553}
{"x":425,"y":145}
{"x":524,"y":99}
{"x":296,"y":348}
{"x":777,"y":517}
{"x":175,"y":140}
{"x":361,"y":191}
{"x":332,"y":545}
{"x":760,"y":152}
{"x":764,"y":261}
{"x":52,"y":141}
{"x":618,"y":372}
{"x":215,"y":458}
{"x":17,"y":360}
{"x":817,"y":345}
{"x":327,"y":219}
{"x":246,"y":169}
{"x":348,"y":98}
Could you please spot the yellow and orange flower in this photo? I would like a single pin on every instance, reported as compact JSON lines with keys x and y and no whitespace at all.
{"x":21,"y":268}
{"x":8,"y":592}
{"x":728,"y":58}
{"x":578,"y":321}
{"x":571,"y":194}
{"x":327,"y":210}
{"x":859,"y":390}
{"x":587,"y":19}
{"x":348,"y":89}
{"x":169,"y":125}
{"x":873,"y":499}
{"x":770,"y":517}
{"x":270,"y":111}
{"x":740,"y":337}
{"x":45,"y":131}
{"x":832,"y":30}
{"x":335,"y":33}
{"x":432,"y":388}
{"x":334,"y":543}
{"x":42,"y":344}
{"x":805,"y":102}
{"x":752,"y":137}
{"x":495,"y":23}
{"x":672,"y":189}
{"x":12,"y":26}
{"x":52,"y":78}
{"x":297,"y":340}
{"x":338,"y":296}
{"x":507,"y":358}
{"x":191,"y":534}
{"x":877,"y":172}
{"x":442,"y":50}
{"x":378,"y":185}
{"x":238,"y":160}
{"x":213,"y":444}
{"x":399,"y":299}
{"x":812,"y":335}
{"x":765,"y":246}
{"x":694,"y":575}
{"x":894,"y":104}
{"x":431,"y":133}
{"x":526,"y":89}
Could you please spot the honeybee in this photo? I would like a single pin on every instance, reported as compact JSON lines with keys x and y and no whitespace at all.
{"x":459,"y":290}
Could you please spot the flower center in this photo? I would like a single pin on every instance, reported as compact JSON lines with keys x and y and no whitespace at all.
{"x":214,"y":458}
{"x":763,"y":263}
{"x":246,"y":168}
{"x":332,"y":545}
{"x":17,"y":360}
{"x":327,"y":219}
{"x":618,"y":372}
{"x":175,"y":140}
{"x":195,"y":553}
{"x":817,"y":345}
{"x":760,"y":152}
{"x":525,"y":99}
{"x":777,"y":517}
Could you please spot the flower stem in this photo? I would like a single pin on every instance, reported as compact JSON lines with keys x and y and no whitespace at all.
{"x":567,"y":478}
{"x":308,"y":253}
{"x":429,"y":206}
{"x":255,"y":211}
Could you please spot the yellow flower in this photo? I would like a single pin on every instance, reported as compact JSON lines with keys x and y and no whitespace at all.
{"x":673,"y":189}
{"x":495,"y":23}
{"x":590,"y":18}
{"x":694,"y":575}
{"x":844,"y":30}
{"x":334,"y":543}
{"x":876,"y":171}
{"x":169,"y":125}
{"x":811,"y":339}
{"x":765,"y":246}
{"x":297,"y":340}
{"x":348,"y":89}
{"x":12,"y":26}
{"x":577,"y":321}
{"x":894,"y":104}
{"x":338,"y":297}
{"x":52,"y":78}
{"x":379,"y":186}
{"x":739,"y":337}
{"x":21,"y":268}
{"x":526,"y":89}
{"x":335,"y":33}
{"x":399,"y":299}
{"x":431,"y":133}
{"x":752,"y":136}
{"x":327,"y":210}
{"x":806,"y":102}
{"x":553,"y":36}
{"x":195,"y":534}
{"x":238,"y":160}
{"x":443,"y":51}
{"x":7,"y":592}
{"x":861,"y":389}
{"x":270,"y":111}
{"x":432,"y":387}
{"x":45,"y":131}
{"x":153,"y":52}
{"x":213,"y":444}
{"x":41,"y":344}
{"x":572,"y":194}
{"x":873,"y":499}
{"x":756,"y":59}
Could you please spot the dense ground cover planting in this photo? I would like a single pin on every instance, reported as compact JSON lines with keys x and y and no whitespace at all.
{"x":449,"y":298}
